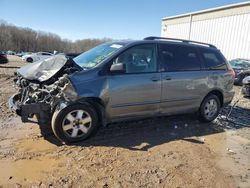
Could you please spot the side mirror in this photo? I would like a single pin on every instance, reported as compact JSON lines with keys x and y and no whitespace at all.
{"x":118,"y":68}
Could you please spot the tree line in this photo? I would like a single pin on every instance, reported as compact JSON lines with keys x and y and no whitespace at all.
{"x":28,"y":40}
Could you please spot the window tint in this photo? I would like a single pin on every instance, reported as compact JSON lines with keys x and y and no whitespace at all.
{"x":139,"y":59}
{"x":213,"y":60}
{"x":179,"y":58}
{"x":44,"y":53}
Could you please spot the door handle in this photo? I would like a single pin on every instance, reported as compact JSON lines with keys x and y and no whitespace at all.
{"x":155,"y":79}
{"x":216,"y":74}
{"x":168,"y":78}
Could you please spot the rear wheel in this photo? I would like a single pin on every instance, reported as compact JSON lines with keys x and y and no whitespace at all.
{"x":75,"y":123}
{"x":210,"y":108}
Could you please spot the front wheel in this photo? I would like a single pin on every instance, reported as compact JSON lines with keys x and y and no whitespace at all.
{"x":75,"y":123}
{"x":210,"y":108}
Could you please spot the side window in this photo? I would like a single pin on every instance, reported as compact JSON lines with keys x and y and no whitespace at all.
{"x":139,"y":59}
{"x":213,"y":60}
{"x":44,"y":53}
{"x":179,"y":58}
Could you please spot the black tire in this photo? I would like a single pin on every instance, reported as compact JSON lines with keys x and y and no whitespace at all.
{"x":46,"y":130}
{"x":204,"y":115}
{"x":59,"y":118}
{"x":29,"y":59}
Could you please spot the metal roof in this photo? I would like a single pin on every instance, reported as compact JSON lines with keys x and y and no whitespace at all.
{"x":208,"y":10}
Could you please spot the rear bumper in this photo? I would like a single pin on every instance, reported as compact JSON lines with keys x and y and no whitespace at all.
{"x":228,"y":97}
{"x":26,"y":111}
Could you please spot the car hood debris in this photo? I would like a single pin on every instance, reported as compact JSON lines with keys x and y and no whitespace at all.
{"x":43,"y":70}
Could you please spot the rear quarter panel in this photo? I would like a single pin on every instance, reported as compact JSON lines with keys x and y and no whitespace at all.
{"x":222,"y":81}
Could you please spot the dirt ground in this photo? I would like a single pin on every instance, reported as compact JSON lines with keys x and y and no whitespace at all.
{"x":174,"y":151}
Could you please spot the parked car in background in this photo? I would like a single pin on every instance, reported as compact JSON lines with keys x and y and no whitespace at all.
{"x":124,"y":80}
{"x":11,"y":52}
{"x":21,"y":54}
{"x":36,"y":56}
{"x":241,"y":68}
{"x":246,"y":87}
{"x":3,"y":57}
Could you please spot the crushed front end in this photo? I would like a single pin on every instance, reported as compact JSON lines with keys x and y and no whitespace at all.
{"x":41,"y":87}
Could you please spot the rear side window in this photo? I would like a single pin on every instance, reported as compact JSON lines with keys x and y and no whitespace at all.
{"x":213,"y":60}
{"x":179,"y":58}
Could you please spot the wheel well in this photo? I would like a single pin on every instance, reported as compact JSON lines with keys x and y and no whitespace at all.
{"x":218,"y":94}
{"x":98,"y":104}
{"x":29,"y":59}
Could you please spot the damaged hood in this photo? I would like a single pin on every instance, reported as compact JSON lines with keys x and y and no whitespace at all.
{"x":43,"y":70}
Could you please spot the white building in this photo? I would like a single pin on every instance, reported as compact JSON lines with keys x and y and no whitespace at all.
{"x":226,"y":27}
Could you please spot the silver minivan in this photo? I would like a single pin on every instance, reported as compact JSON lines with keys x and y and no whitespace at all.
{"x":121,"y":81}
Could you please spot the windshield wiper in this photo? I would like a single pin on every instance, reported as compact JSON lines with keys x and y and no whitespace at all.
{"x":86,"y":68}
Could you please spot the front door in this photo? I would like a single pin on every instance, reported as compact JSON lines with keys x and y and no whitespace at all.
{"x":137,"y":92}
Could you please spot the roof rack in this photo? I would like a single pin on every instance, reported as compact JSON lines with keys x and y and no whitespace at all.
{"x":180,"y":40}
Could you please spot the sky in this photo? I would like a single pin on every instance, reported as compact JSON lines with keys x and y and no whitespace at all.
{"x":116,"y":19}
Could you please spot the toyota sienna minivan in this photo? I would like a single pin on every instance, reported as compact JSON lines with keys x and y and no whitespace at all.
{"x":122,"y":81}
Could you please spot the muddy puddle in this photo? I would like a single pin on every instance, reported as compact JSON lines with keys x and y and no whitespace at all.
{"x":232,"y":155}
{"x":26,"y":171}
{"x":28,"y":161}
{"x":35,"y":146}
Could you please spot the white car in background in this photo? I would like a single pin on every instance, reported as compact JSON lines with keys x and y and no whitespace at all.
{"x":36,"y":56}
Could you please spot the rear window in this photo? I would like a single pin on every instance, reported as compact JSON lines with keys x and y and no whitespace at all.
{"x":179,"y":58}
{"x":213,"y":60}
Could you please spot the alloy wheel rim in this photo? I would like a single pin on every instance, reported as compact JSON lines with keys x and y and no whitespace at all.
{"x":211,"y":108}
{"x":76,"y":123}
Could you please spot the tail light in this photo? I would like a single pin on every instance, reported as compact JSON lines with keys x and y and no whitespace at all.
{"x":231,"y":72}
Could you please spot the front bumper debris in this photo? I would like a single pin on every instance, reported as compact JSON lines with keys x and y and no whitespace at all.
{"x":27,"y":111}
{"x":12,"y":104}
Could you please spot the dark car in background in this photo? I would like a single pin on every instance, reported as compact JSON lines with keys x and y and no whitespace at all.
{"x":3,"y":58}
{"x":241,"y":68}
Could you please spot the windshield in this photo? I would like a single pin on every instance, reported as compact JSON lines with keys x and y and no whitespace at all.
{"x":244,"y":64}
{"x":94,"y":56}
